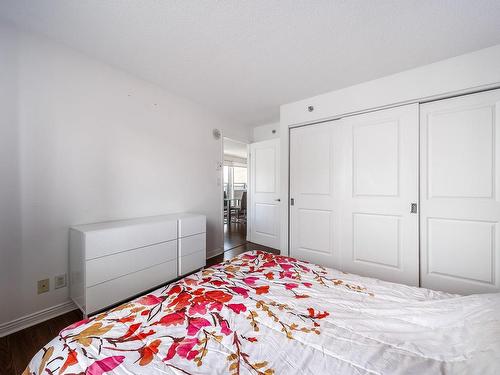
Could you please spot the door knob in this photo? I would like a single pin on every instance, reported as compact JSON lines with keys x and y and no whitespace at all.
{"x":278,"y":200}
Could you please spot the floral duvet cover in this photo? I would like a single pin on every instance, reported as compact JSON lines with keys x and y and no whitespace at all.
{"x":261,"y":313}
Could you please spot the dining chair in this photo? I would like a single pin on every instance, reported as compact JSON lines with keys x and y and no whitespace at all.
{"x":240,"y":210}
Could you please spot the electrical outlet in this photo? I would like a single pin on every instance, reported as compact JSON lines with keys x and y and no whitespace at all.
{"x":43,"y":286}
{"x":60,"y":281}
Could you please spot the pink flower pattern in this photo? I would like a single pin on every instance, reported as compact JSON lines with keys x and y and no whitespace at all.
{"x":176,"y":326}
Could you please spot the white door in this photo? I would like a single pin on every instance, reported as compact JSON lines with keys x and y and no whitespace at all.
{"x":314,"y":195}
{"x":265,"y":202}
{"x":460,"y":193}
{"x":379,"y":231}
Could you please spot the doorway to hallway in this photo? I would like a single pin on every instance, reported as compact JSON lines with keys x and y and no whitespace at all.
{"x":235,"y":193}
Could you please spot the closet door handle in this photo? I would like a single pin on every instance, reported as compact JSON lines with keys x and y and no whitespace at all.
{"x":278,"y":200}
{"x":413,"y":208}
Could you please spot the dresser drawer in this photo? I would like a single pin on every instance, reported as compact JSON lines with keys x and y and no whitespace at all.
{"x":112,"y":266}
{"x":191,"y":262}
{"x":105,"y":242}
{"x":190,"y":225}
{"x":116,"y":290}
{"x":192,"y":244}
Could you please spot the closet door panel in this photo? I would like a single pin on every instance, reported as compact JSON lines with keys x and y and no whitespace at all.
{"x":461,"y":249}
{"x":314,"y":212}
{"x":460,"y":207}
{"x":460,"y":153}
{"x":379,"y":233}
{"x":375,"y":159}
{"x":376,"y":239}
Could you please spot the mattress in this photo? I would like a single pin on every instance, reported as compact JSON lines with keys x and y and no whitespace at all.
{"x":261,"y":313}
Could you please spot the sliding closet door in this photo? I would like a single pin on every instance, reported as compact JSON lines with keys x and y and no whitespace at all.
{"x":460,"y":192}
{"x":314,"y":210}
{"x":379,"y":229}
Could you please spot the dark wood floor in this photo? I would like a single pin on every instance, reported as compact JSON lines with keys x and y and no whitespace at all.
{"x":17,"y":349}
{"x":235,"y":234}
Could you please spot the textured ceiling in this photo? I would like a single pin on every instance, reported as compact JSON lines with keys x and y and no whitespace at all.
{"x":242,"y":59}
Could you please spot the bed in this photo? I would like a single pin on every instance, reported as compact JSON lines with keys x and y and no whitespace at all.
{"x":261,"y":313}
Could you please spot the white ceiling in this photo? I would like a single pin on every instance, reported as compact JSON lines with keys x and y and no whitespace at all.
{"x":242,"y":59}
{"x":235,"y":148}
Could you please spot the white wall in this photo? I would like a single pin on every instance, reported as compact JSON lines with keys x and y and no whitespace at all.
{"x":10,"y":200}
{"x":83,"y":142}
{"x":265,"y":132}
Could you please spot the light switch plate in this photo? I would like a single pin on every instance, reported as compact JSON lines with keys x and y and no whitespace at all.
{"x":60,"y":281}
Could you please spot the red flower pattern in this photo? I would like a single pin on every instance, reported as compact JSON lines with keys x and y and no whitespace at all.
{"x":203,"y":307}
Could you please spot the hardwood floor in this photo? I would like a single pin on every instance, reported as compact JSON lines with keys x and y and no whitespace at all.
{"x":17,"y":349}
{"x":235,"y":234}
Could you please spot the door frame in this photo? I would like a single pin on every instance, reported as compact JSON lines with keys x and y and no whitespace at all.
{"x":220,"y":177}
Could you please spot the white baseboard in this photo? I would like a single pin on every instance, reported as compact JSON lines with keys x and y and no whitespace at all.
{"x":214,"y":252}
{"x":35,"y":318}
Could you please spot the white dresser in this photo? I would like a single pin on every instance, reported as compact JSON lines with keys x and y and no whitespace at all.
{"x":116,"y":260}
